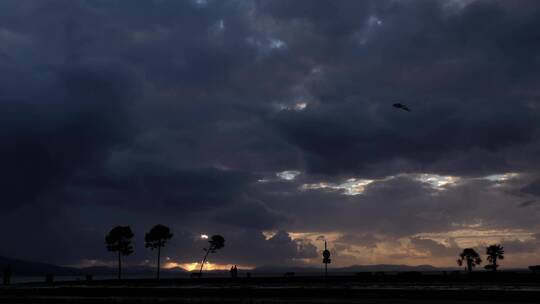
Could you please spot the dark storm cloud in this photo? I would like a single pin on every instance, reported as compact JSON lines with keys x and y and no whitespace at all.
{"x":57,"y":122}
{"x":404,"y":206}
{"x":183,"y":112}
{"x":249,"y":213}
{"x":178,"y":191}
{"x":471,"y":89}
{"x":359,"y":139}
{"x":251,"y":247}
{"x":532,"y":188}
{"x":331,"y":19}
{"x":519,"y":246}
{"x":365,"y":240}
{"x":527,"y":203}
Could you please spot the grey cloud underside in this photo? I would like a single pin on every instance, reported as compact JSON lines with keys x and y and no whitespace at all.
{"x":171,"y":111}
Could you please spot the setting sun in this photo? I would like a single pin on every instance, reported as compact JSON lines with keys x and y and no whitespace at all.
{"x":207,"y":266}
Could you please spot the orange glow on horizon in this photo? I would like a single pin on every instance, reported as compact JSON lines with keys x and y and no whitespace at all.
{"x":207,"y":266}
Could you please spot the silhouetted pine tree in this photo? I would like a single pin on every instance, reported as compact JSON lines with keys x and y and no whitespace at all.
{"x":156,"y":238}
{"x":216,"y":242}
{"x":119,"y":240}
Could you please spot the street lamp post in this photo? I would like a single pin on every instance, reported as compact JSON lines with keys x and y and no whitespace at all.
{"x":326,"y":259}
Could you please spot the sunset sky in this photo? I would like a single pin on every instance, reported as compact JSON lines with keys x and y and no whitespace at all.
{"x":270,"y":123}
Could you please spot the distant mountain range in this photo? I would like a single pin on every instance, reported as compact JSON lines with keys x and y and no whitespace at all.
{"x":26,"y":268}
{"x":354,"y":268}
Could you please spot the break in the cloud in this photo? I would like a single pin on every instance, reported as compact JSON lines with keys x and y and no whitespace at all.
{"x":271,"y":123}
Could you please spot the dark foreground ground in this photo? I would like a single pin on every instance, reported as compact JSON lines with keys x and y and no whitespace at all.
{"x":364,"y":288}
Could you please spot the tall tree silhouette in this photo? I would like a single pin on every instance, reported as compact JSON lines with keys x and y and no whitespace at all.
{"x":494,"y":253}
{"x":470,"y":257}
{"x":156,"y":238}
{"x":119,"y":240}
{"x":216,"y":242}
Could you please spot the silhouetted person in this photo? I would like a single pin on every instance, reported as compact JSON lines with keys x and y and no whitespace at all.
{"x":234,"y":271}
{"x":7,"y":275}
{"x":494,"y":253}
{"x":119,"y":240}
{"x":470,"y":257}
{"x":216,"y":242}
{"x":49,"y":278}
{"x":401,"y":106}
{"x":156,"y":238}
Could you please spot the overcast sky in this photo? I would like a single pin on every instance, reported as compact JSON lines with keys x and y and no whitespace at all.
{"x":271,"y":123}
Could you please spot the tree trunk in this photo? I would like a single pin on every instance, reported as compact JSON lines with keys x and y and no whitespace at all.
{"x":158,"y":258}
{"x":119,"y":265}
{"x":204,"y":261}
{"x":469,"y":266}
{"x":494,"y":264}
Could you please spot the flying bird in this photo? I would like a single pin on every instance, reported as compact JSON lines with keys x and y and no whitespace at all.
{"x":402,"y":106}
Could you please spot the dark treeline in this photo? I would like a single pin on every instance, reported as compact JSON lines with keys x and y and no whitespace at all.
{"x":119,"y":240}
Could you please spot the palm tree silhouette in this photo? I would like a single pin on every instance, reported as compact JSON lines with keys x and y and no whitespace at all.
{"x":156,"y":238}
{"x":119,"y":240}
{"x":494,"y":253}
{"x":470,"y":257}
{"x":216,"y":242}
